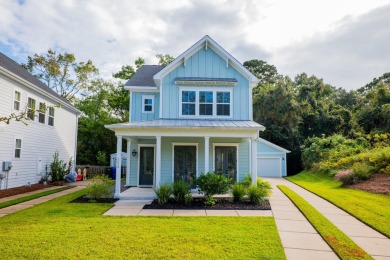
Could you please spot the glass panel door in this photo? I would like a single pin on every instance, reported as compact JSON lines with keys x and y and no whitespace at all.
{"x":226,"y":161}
{"x":185,"y":163}
{"x":146,"y":166}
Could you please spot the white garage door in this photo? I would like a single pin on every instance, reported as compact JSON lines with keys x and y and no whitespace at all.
{"x":269,"y":167}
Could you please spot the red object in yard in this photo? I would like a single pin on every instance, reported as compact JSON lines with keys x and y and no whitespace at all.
{"x":79,"y":177}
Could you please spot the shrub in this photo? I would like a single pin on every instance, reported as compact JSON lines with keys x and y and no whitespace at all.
{"x":163,"y":193}
{"x":238,"y":192}
{"x":257,"y":194}
{"x":59,"y":168}
{"x":361,"y":170}
{"x":264,"y":185}
{"x":100,"y":187}
{"x":101,"y":158}
{"x":209,"y":201}
{"x":210,"y":184}
{"x":346,"y":177}
{"x":180,"y":191}
{"x":247,"y":181}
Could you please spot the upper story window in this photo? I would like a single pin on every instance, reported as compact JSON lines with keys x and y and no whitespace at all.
{"x":31,"y":108}
{"x":42,"y":111}
{"x":205,"y":103}
{"x":18,"y":148}
{"x":17,"y":100}
{"x":51,"y":116}
{"x":147,"y":104}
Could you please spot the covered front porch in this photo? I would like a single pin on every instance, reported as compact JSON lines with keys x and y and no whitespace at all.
{"x":159,"y":154}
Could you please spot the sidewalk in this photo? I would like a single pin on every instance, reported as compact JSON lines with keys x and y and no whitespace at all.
{"x":28,"y":193}
{"x":30,"y":203}
{"x":374,"y":243}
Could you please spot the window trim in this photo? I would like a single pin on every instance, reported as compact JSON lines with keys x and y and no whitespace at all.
{"x":28,"y":108}
{"x":21,"y":147}
{"x":14,"y":99}
{"x":49,"y":116}
{"x":197,"y":90}
{"x":42,"y":113}
{"x":143,"y":104}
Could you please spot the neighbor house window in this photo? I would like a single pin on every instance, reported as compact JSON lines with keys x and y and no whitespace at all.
{"x":51,"y":116}
{"x":17,"y":100}
{"x":18,"y":148}
{"x":42,"y":112}
{"x":188,"y":102}
{"x":206,"y":103}
{"x":147,"y":104}
{"x":31,"y":108}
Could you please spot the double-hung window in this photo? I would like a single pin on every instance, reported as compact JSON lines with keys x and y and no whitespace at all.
{"x":31,"y":108}
{"x":205,"y":103}
{"x":18,"y":148}
{"x":17,"y":100}
{"x":147,"y":104}
{"x":42,"y":112}
{"x":51,"y":116}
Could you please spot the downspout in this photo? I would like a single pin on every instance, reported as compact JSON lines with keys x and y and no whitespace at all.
{"x":75,"y":148}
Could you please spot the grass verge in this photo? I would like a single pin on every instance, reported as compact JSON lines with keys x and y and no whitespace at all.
{"x":30,"y":197}
{"x":341,"y":244}
{"x":372,"y":209}
{"x":61,"y":230}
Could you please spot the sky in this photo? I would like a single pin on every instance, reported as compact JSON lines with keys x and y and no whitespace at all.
{"x":344,"y":42}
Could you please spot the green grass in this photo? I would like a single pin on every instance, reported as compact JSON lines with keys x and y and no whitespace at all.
{"x":341,"y":244}
{"x":61,"y":230}
{"x":372,"y":209}
{"x":30,"y":197}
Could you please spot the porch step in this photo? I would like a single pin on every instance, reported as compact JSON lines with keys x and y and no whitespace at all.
{"x":127,"y":197}
{"x":136,"y":193}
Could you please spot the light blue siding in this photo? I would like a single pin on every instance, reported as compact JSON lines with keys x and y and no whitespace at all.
{"x":205,"y":63}
{"x":136,"y":107}
{"x":266,"y":151}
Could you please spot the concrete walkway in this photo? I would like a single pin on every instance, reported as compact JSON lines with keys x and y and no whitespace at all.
{"x":30,"y":203}
{"x":298,"y":235}
{"x":28,"y":193}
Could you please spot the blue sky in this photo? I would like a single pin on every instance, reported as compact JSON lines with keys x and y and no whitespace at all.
{"x":343,"y":42}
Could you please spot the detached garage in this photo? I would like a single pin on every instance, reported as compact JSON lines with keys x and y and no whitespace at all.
{"x":271,"y":159}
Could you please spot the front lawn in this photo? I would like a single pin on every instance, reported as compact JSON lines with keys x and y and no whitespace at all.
{"x":373,"y":209}
{"x":61,"y":230}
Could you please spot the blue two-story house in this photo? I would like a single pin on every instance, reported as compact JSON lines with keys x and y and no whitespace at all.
{"x":193,"y":116}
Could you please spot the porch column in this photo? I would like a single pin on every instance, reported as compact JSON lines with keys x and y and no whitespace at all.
{"x":254,"y":160}
{"x":206,"y":154}
{"x":158,"y":161}
{"x":128,"y":162}
{"x":118,"y":166}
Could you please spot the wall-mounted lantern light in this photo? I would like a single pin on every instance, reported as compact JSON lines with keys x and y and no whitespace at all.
{"x":134,"y":153}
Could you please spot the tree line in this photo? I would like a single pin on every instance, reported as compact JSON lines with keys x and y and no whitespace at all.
{"x":291,"y":109}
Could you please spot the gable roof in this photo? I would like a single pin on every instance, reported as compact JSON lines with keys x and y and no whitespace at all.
{"x":143,"y":77}
{"x":207,"y":42}
{"x":12,"y":68}
{"x":273,"y":145}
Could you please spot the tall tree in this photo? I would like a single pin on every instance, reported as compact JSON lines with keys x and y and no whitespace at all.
{"x":164,"y":59}
{"x":265,"y":72}
{"x":62,"y":72}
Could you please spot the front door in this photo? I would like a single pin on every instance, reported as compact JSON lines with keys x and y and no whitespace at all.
{"x":146,"y":166}
{"x":185,"y":163}
{"x":226,"y":161}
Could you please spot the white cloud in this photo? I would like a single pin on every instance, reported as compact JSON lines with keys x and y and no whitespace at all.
{"x":115,"y":33}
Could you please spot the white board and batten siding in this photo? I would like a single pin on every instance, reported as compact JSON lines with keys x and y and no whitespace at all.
{"x":39,"y":141}
{"x":271,"y":159}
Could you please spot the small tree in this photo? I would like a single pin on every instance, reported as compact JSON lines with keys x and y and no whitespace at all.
{"x":59,"y":168}
{"x":210,"y":184}
{"x":101,"y":158}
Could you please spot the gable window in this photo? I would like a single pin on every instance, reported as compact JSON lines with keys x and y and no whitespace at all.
{"x":17,"y":100}
{"x":18,"y":148}
{"x":147,"y":104}
{"x":223,"y":103}
{"x":51,"y":116}
{"x":205,"y":103}
{"x":42,"y":110}
{"x":188,"y":102}
{"x":31,"y":108}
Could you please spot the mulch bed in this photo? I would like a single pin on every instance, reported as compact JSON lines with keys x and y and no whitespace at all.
{"x":378,"y":183}
{"x":22,"y":189}
{"x":222,"y":204}
{"x":84,"y":199}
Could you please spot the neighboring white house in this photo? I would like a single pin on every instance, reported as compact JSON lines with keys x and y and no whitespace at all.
{"x":113,"y":157}
{"x":31,"y":148}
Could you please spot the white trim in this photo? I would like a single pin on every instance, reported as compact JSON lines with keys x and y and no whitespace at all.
{"x":161,"y":101}
{"x":173,"y":157}
{"x":118,"y":166}
{"x":141,"y":89}
{"x":143,"y":97}
{"x":128,"y":158}
{"x":21,"y":148}
{"x":214,"y":90}
{"x":280,"y":166}
{"x":273,"y":145}
{"x":16,"y":89}
{"x":139,"y":158}
{"x":254,"y":159}
{"x":237,"y":156}
{"x":27,"y":107}
{"x":250,"y":103}
{"x":75,"y":143}
{"x":130,"y":105}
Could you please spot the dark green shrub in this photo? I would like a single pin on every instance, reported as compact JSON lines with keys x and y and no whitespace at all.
{"x":265,"y":185}
{"x":180,"y":191}
{"x":247,"y":181}
{"x":257,"y":194}
{"x":238,"y":192}
{"x":163,"y":193}
{"x":59,"y":168}
{"x":100,"y":187}
{"x":210,"y":184}
{"x":209,"y":201}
